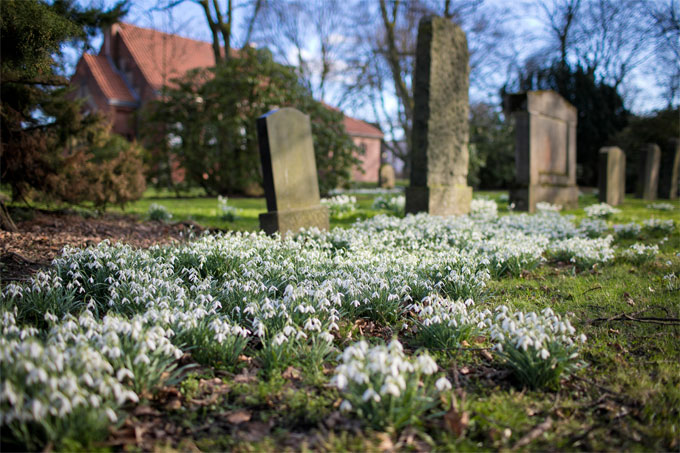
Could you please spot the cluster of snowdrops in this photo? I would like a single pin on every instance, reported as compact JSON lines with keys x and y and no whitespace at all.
{"x":105,"y":325}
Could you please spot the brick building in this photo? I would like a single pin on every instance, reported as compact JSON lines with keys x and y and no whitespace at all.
{"x":133,"y":65}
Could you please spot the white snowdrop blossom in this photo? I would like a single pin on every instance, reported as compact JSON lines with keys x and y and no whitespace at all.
{"x":658,"y":225}
{"x":394,"y":204}
{"x":483,"y":208}
{"x":443,"y":384}
{"x":600,"y":210}
{"x":661,"y":206}
{"x":545,"y":207}
{"x":583,"y":252}
{"x":340,"y":205}
{"x":627,"y":230}
{"x":374,"y":379}
{"x":639,"y":253}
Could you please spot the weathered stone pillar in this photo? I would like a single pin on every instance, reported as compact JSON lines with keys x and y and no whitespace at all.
{"x":289,"y":171}
{"x":439,"y":154}
{"x":612,"y":177}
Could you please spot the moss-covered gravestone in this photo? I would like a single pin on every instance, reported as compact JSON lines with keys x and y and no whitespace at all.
{"x":439,"y":154}
{"x":545,"y":149}
{"x":648,"y":174}
{"x":612,"y":178}
{"x":289,"y":173}
{"x":670,"y":170}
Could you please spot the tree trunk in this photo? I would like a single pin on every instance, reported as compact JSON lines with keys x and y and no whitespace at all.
{"x":6,"y":222}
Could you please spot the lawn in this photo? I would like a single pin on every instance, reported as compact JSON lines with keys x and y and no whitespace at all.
{"x":510,"y":331}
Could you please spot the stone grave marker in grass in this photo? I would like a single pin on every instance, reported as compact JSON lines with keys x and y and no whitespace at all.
{"x":387,"y":176}
{"x":289,"y":173}
{"x":545,"y":149}
{"x":439,"y":158}
{"x":669,"y":173}
{"x":612,"y":178}
{"x":648,"y":175}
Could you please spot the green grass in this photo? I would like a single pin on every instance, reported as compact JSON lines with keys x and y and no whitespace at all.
{"x":195,"y":206}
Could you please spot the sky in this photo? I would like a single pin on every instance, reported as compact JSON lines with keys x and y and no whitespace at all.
{"x":187,"y":19}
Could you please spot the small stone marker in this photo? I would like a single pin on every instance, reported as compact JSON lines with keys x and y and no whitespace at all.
{"x":669,"y":175}
{"x":648,"y":182}
{"x":612,"y":178}
{"x":439,"y":155}
{"x":545,"y":149}
{"x":387,"y":176}
{"x":289,"y":172}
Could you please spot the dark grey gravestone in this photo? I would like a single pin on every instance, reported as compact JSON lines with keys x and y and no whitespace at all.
{"x":648,"y":182}
{"x":669,"y":173}
{"x":439,"y":155}
{"x":289,"y":172}
{"x":612,"y":177}
{"x":545,"y":149}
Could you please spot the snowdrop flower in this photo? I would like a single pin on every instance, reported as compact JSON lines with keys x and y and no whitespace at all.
{"x":370,"y":394}
{"x":426,"y":364}
{"x":443,"y":384}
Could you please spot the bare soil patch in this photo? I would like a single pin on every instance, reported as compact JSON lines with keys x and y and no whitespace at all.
{"x":42,"y":237}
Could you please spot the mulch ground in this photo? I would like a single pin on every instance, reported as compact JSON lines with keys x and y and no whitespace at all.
{"x":42,"y":237}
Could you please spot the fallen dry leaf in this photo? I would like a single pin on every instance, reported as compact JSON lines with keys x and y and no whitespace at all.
{"x":291,"y":373}
{"x":244,"y":358}
{"x":145,"y":410}
{"x":255,"y":431}
{"x":456,"y":421}
{"x":238,"y":416}
{"x":386,"y":444}
{"x":487,"y":355}
{"x":245,"y":377}
{"x":173,"y":404}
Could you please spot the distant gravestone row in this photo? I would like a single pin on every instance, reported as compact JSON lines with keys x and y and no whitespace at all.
{"x":657,"y":171}
{"x":545,"y":153}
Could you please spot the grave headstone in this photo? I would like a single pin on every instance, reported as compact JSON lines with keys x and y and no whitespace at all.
{"x":387,"y":176}
{"x":289,"y":173}
{"x":648,"y":174}
{"x":439,"y":156}
{"x":612,"y":178}
{"x":545,"y":149}
{"x":669,"y":175}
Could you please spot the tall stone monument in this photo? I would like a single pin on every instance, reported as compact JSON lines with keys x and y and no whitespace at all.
{"x":648,"y":174}
{"x":439,"y":155}
{"x":289,"y":172}
{"x":669,"y":173}
{"x":612,"y":177}
{"x":545,"y":149}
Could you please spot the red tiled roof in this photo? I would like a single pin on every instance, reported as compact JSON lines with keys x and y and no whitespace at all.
{"x":361,"y":128}
{"x":161,"y":56}
{"x":109,"y":81}
{"x":357,"y":127}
